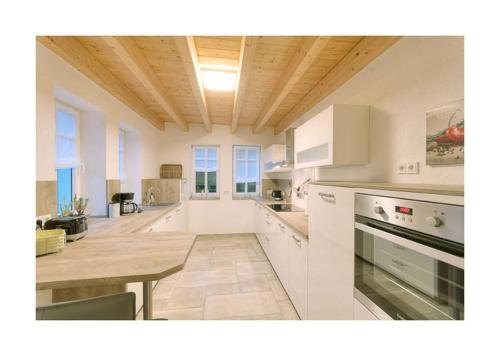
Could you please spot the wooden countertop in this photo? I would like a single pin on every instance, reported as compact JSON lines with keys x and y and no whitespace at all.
{"x":128,"y":223}
{"x":298,"y":221}
{"x":114,"y":259}
{"x":454,"y":190}
{"x":116,"y":251}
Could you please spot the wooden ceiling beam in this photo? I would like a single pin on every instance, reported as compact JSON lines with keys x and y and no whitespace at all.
{"x":75,"y":53}
{"x":301,"y":60}
{"x":247,"y":53}
{"x":187,"y":52}
{"x":358,"y":58}
{"x":128,"y":52}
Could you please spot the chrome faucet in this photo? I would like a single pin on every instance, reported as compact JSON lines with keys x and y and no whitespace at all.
{"x":150,"y":196}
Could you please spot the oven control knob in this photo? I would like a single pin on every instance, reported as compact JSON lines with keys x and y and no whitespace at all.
{"x":433,"y":221}
{"x":378,"y":210}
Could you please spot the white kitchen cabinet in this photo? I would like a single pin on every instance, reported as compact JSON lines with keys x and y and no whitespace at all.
{"x":270,"y":227}
{"x":298,"y":276}
{"x":259,"y":223}
{"x":331,"y":252}
{"x":361,"y":312}
{"x":282,"y":255}
{"x":274,"y":158}
{"x":175,"y":220}
{"x":337,"y":136}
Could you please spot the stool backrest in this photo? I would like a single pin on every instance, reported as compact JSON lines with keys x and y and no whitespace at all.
{"x":109,"y":307}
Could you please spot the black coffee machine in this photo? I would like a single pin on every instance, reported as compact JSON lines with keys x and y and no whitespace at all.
{"x":127,"y":205}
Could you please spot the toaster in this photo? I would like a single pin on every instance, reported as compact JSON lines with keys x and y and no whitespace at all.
{"x":75,"y":226}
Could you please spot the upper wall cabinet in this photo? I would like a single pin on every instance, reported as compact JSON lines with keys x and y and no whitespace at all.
{"x":275,"y":159}
{"x":337,"y":136}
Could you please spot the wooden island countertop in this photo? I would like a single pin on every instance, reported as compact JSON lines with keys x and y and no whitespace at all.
{"x":114,"y":259}
{"x":115,"y":252}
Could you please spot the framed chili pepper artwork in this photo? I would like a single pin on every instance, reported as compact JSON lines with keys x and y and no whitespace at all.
{"x":445,"y":135}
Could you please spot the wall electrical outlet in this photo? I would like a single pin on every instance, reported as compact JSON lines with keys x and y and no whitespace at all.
{"x":412,"y":168}
{"x":408,"y":168}
{"x":402,"y":168}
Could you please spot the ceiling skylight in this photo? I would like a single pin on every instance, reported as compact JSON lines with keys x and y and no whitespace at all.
{"x":218,"y":80}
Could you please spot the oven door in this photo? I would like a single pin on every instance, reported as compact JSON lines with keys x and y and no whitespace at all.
{"x":401,"y":275}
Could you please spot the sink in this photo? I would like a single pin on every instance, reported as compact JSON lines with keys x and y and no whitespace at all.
{"x":156,"y":206}
{"x":283,"y":207}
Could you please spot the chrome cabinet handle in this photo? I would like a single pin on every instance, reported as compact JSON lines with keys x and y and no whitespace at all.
{"x":150,"y":229}
{"x":268,"y":223}
{"x":282,"y":226}
{"x":400,"y":266}
{"x":297,"y":241}
{"x":268,"y":215}
{"x":326,"y":196}
{"x":168,"y":218}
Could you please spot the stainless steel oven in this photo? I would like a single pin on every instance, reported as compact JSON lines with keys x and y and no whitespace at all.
{"x":409,"y":258}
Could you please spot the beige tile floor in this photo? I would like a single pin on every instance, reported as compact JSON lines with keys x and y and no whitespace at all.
{"x":225,"y":277}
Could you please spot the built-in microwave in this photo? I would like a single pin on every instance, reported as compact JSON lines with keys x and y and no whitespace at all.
{"x":409,"y":258}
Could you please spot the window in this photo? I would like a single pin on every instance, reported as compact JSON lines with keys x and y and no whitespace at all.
{"x":246,"y":170}
{"x":121,"y":155}
{"x":206,"y":171}
{"x":64,"y":188}
{"x":67,"y":154}
{"x":66,"y":137}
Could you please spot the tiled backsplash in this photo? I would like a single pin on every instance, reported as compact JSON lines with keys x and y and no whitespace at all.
{"x":112,"y":187}
{"x":46,"y":197}
{"x":276,"y":184}
{"x":164,"y":190}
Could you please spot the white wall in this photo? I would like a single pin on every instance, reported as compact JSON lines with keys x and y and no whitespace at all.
{"x":413,"y":76}
{"x":53,"y":72}
{"x":132,"y":163}
{"x":93,"y":174}
{"x":215,"y":216}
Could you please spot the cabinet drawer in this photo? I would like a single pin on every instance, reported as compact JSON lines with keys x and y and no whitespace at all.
{"x":331,"y":214}
{"x":298,"y":273}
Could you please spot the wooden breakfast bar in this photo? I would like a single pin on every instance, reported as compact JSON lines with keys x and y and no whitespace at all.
{"x":104,"y":264}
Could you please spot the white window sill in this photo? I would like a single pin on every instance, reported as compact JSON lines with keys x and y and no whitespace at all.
{"x":204,"y":198}
{"x":244,"y":197}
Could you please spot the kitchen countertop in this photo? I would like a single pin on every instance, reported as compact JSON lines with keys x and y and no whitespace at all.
{"x":298,"y":221}
{"x":454,"y":190}
{"x":115,"y":252}
{"x":128,"y":223}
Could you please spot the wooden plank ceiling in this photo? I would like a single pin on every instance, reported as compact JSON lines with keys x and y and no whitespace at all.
{"x":278,"y":78}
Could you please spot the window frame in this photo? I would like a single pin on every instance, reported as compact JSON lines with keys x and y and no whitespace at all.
{"x":259,"y":173}
{"x":59,"y":106}
{"x":206,"y":194}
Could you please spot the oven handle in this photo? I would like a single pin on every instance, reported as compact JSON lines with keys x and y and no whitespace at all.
{"x":426,"y":250}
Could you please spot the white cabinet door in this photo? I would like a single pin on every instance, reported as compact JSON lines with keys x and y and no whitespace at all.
{"x":273,"y":240}
{"x":298,"y":277}
{"x":314,"y":140}
{"x":259,"y":224}
{"x":158,"y":225}
{"x":331,"y":252}
{"x":266,"y":232}
{"x":337,"y":136}
{"x":361,"y":312}
{"x":282,"y":258}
